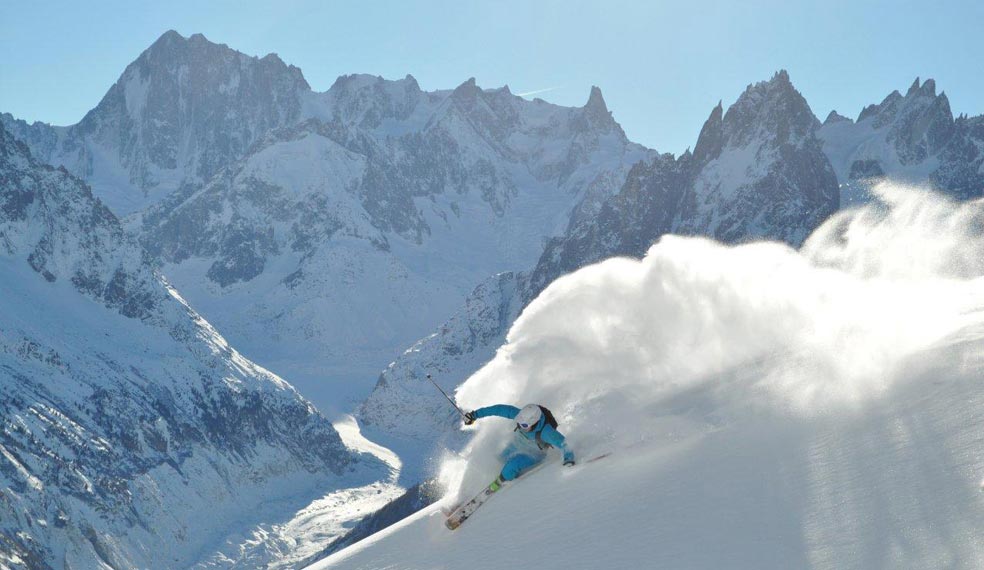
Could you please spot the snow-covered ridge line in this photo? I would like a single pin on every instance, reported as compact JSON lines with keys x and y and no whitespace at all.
{"x":124,"y":413}
{"x":910,"y":138}
{"x":315,"y":227}
{"x":737,"y":184}
{"x":187,"y":107}
{"x":757,"y":171}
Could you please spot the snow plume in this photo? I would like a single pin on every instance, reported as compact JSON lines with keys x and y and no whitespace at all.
{"x":698,"y":335}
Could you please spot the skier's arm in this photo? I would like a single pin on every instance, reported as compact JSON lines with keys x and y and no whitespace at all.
{"x":557,"y":439}
{"x":501,"y":410}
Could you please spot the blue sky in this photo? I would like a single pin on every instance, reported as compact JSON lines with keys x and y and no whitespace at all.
{"x":662,"y":66}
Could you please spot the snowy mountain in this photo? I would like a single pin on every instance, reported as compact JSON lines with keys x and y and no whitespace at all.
{"x":125,"y":416}
{"x":177,"y":115}
{"x":324,"y":232}
{"x":767,"y":408}
{"x":912,"y":138}
{"x":757,"y":171}
{"x":337,"y":241}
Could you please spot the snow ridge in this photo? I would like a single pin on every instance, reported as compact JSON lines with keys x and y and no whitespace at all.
{"x":912,"y":138}
{"x":304,"y":224}
{"x":124,"y":413}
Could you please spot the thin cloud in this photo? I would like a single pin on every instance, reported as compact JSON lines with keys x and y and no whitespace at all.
{"x":538,"y":91}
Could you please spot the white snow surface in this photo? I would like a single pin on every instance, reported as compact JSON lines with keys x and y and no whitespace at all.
{"x":767,"y":408}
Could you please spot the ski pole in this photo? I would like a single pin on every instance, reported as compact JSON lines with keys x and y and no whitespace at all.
{"x":446,"y":395}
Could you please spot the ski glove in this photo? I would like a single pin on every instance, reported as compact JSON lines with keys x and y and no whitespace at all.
{"x":470,"y":418}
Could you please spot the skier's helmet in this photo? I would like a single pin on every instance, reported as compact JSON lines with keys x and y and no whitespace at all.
{"x":528,"y":417}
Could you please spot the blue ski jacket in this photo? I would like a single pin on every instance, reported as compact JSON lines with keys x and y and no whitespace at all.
{"x":547,"y":433}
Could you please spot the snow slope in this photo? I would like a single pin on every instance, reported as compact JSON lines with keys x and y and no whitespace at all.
{"x":769,"y":408}
{"x":757,"y":172}
{"x":124,"y":415}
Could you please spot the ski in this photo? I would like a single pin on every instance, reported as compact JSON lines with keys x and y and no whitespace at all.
{"x":462,"y":513}
{"x":459,"y":513}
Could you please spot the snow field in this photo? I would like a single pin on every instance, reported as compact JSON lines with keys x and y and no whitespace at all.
{"x":769,"y":408}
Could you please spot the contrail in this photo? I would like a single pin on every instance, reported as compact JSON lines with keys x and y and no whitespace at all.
{"x":538,"y":91}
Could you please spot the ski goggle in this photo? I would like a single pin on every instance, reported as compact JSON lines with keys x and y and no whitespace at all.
{"x":525,"y":426}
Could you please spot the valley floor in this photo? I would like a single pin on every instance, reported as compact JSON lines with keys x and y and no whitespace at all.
{"x":296,"y":534}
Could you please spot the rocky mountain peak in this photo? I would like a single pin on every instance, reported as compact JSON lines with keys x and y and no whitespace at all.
{"x":772,"y":111}
{"x":919,"y":124}
{"x":596,"y":102}
{"x":835,"y":117}
{"x":711,"y":136}
{"x":928,"y":88}
{"x":595,"y":115}
{"x":913,"y":138}
{"x":467,"y":91}
{"x":366,"y":100}
{"x":491,"y":112}
{"x":781,"y":77}
{"x":913,"y":88}
{"x":918,"y":97}
{"x":172,"y":51}
{"x":888,"y":103}
{"x":182,"y":110}
{"x":168,"y":38}
{"x":466,"y":95}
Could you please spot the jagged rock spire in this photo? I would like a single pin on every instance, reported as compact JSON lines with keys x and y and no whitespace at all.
{"x":596,"y":102}
{"x":711,"y":136}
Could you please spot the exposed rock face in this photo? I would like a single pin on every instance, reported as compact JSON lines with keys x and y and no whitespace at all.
{"x":323,"y":232}
{"x":770,"y":178}
{"x":124,"y":414}
{"x":912,"y":138}
{"x":346,"y":236}
{"x":757,"y":171}
{"x":179,"y":113}
{"x":761,"y":170}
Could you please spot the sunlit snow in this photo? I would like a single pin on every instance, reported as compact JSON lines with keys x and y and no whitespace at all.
{"x":768,"y":408}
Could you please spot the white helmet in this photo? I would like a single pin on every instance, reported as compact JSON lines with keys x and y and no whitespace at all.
{"x":528,"y":417}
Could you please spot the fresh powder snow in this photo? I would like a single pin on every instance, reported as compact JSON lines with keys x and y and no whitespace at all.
{"x":767,"y":408}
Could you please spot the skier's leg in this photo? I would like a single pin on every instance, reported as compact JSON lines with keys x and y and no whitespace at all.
{"x":517,"y":464}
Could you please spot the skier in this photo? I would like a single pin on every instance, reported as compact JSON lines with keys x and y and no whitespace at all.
{"x":536,"y":433}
